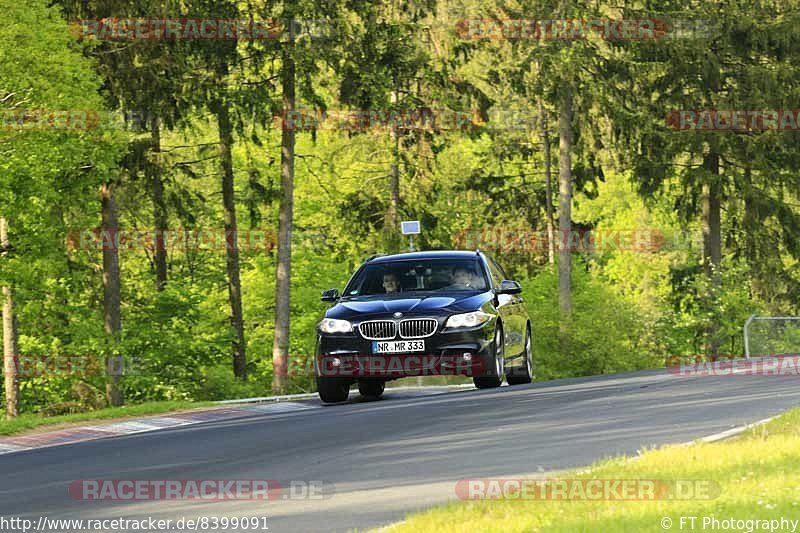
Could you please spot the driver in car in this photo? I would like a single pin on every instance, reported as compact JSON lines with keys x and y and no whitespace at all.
{"x":462,"y":278}
{"x":390,"y":283}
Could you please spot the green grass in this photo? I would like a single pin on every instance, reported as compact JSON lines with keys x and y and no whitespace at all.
{"x":31,"y":421}
{"x":757,"y":475}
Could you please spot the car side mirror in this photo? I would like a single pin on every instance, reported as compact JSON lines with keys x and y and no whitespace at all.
{"x":331,"y":295}
{"x":508,"y":286}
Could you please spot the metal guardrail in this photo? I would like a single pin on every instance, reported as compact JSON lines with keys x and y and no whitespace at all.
{"x":747,"y":337}
{"x":750,"y":320}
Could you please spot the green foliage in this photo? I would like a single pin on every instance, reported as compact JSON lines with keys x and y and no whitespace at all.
{"x":219,"y":383}
{"x":632,"y":308}
{"x":608,"y":333}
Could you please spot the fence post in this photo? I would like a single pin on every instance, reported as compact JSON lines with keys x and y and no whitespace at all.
{"x":746,"y":337}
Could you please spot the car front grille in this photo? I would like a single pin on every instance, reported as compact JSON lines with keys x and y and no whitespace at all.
{"x":417,"y":327}
{"x":378,"y":330}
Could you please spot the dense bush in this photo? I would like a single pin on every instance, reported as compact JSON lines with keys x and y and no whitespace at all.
{"x":607,"y":332}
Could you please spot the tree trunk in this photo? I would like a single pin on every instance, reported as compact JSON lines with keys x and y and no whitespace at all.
{"x":565,"y":208}
{"x":159,"y":207}
{"x":283,"y":275}
{"x":392,"y":216}
{"x":10,"y":350}
{"x":548,"y":180}
{"x":111,"y":292}
{"x":392,"y":220}
{"x":394,"y":176}
{"x":231,"y":240}
{"x":751,"y":225}
{"x":712,"y":250}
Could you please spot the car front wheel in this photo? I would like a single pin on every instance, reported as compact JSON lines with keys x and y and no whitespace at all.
{"x":333,"y":390}
{"x":494,"y":377}
{"x":523,"y":374}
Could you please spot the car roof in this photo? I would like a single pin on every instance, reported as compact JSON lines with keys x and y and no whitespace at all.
{"x":432,"y":254}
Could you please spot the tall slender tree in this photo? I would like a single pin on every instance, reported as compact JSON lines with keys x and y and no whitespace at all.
{"x":225,"y":128}
{"x":112,"y":293}
{"x":283,"y":272}
{"x":10,"y":333}
{"x":544,"y":135}
{"x":161,"y":225}
{"x":565,"y":207}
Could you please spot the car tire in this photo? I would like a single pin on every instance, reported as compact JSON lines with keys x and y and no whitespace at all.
{"x":333,"y":390}
{"x":495,"y":378}
{"x":524,"y":374}
{"x":371,"y":387}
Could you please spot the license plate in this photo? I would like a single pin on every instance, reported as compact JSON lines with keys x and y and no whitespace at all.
{"x":397,"y":346}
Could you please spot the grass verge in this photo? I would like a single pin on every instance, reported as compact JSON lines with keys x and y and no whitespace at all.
{"x":28,"y":422}
{"x":756,"y":476}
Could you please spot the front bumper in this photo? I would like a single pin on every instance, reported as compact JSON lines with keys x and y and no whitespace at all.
{"x":448,"y":353}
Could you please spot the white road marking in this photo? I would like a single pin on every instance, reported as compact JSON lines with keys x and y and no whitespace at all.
{"x":124,"y":428}
{"x":10,"y":448}
{"x":168,"y":422}
{"x":281,"y":407}
{"x":733,"y":431}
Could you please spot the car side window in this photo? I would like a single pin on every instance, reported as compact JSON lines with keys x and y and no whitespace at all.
{"x":496,"y":272}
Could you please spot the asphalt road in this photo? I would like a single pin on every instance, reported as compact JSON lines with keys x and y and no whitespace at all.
{"x":378,"y":460}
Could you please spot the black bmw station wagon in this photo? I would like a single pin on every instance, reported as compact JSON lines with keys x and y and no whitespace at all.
{"x":423,"y":313}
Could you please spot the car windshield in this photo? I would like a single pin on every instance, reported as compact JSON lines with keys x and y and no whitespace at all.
{"x":398,"y":277}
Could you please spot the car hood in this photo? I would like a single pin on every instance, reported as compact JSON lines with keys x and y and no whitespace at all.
{"x":430,"y":304}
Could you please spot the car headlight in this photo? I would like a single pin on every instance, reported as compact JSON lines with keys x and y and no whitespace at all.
{"x":333,"y":325}
{"x":467,"y":320}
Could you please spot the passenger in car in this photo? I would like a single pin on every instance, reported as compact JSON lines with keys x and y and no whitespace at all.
{"x":390,"y":283}
{"x":463,"y":278}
